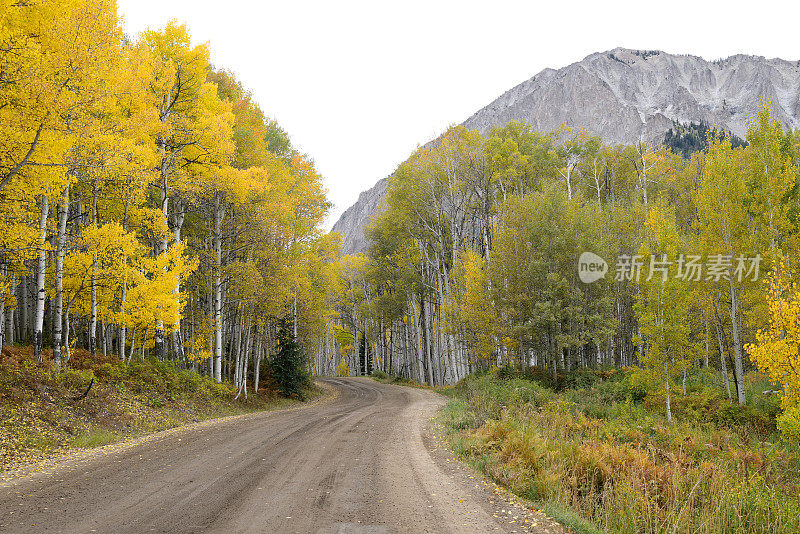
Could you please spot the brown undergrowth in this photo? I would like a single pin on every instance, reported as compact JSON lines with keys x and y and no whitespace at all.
{"x":601,"y":454}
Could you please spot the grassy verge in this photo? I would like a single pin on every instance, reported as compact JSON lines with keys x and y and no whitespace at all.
{"x":42,"y":413}
{"x":597,"y":454}
{"x":384,"y":378}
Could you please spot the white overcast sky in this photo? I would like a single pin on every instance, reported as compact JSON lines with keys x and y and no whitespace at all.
{"x":358,"y":85}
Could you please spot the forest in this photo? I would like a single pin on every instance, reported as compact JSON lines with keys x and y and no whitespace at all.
{"x":474,"y":261}
{"x":148,"y":207}
{"x":616,"y":326}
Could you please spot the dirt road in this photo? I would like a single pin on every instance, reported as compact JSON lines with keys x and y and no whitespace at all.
{"x":363,"y":462}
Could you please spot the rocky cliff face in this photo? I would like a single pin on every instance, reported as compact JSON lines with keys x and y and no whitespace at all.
{"x":629,"y":95}
{"x":356,"y":218}
{"x":625,"y":96}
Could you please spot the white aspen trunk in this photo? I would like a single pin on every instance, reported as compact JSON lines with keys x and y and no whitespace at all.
{"x":356,"y":344}
{"x":431,"y":349}
{"x":257,"y":362}
{"x":569,"y":181}
{"x":144,"y":340}
{"x":240,"y":347}
{"x":217,"y":243}
{"x":103,"y":338}
{"x":597,"y":185}
{"x":247,"y":352}
{"x":93,"y":313}
{"x":738,"y":365}
{"x":419,"y":335}
{"x":58,"y":305}
{"x":447,"y":366}
{"x":158,"y":336}
{"x":123,"y":329}
{"x":8,"y":331}
{"x":723,"y":365}
{"x":178,"y":217}
{"x":93,"y":317}
{"x":23,"y":310}
{"x":2,"y":317}
{"x":133,"y":344}
{"x":38,"y":322}
{"x":210,"y":361}
{"x":666,"y":387}
{"x":294,"y":313}
{"x":244,"y":379}
{"x":67,"y":348}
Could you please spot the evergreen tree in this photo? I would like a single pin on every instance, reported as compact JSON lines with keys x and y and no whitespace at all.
{"x":288,"y":366}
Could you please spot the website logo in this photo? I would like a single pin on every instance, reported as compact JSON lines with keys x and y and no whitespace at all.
{"x":591,"y":267}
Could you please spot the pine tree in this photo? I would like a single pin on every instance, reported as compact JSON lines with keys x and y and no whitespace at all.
{"x":288,"y":366}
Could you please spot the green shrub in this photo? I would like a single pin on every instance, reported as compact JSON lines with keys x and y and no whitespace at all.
{"x":380,"y":375}
{"x":108,"y":372}
{"x":789,"y":423}
{"x":209,"y":388}
{"x":143,"y":377}
{"x":189,"y":380}
{"x":76,"y":378}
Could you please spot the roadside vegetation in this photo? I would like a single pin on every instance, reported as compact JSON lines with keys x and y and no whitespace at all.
{"x":157,"y":233}
{"x":100,"y":400}
{"x":595,"y":451}
{"x":647,"y":294}
{"x":385,"y":378}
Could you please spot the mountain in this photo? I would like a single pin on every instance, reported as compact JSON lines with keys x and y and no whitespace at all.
{"x":354,"y":220}
{"x":625,"y":96}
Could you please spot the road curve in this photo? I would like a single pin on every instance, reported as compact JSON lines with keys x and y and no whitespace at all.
{"x":363,"y":462}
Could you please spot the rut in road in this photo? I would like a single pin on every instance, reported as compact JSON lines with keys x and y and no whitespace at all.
{"x":363,"y":462}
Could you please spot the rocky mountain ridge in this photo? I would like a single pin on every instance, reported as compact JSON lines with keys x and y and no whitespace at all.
{"x":625,"y":96}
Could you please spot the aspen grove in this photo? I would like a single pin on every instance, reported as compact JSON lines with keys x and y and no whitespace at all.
{"x":473,"y":261}
{"x":147,"y":205}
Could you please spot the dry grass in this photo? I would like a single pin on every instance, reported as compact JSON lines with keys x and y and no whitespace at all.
{"x":622,"y":466}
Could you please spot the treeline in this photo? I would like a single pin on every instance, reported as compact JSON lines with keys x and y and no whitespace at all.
{"x":687,"y":139}
{"x":474,"y":261}
{"x":147,"y":205}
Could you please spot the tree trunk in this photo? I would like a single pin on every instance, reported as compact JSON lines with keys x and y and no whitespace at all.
{"x":93,"y":318}
{"x":257,"y":362}
{"x":144,"y":340}
{"x":159,"y":347}
{"x":104,"y":335}
{"x":2,"y":317}
{"x":723,"y":365}
{"x":9,"y":319}
{"x":178,"y":216}
{"x":666,"y":387}
{"x":38,"y":322}
{"x":23,"y":310}
{"x":63,"y":211}
{"x":123,"y":329}
{"x":217,"y":244}
{"x":738,"y":364}
{"x":93,"y":315}
{"x":67,"y":348}
{"x":133,"y":344}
